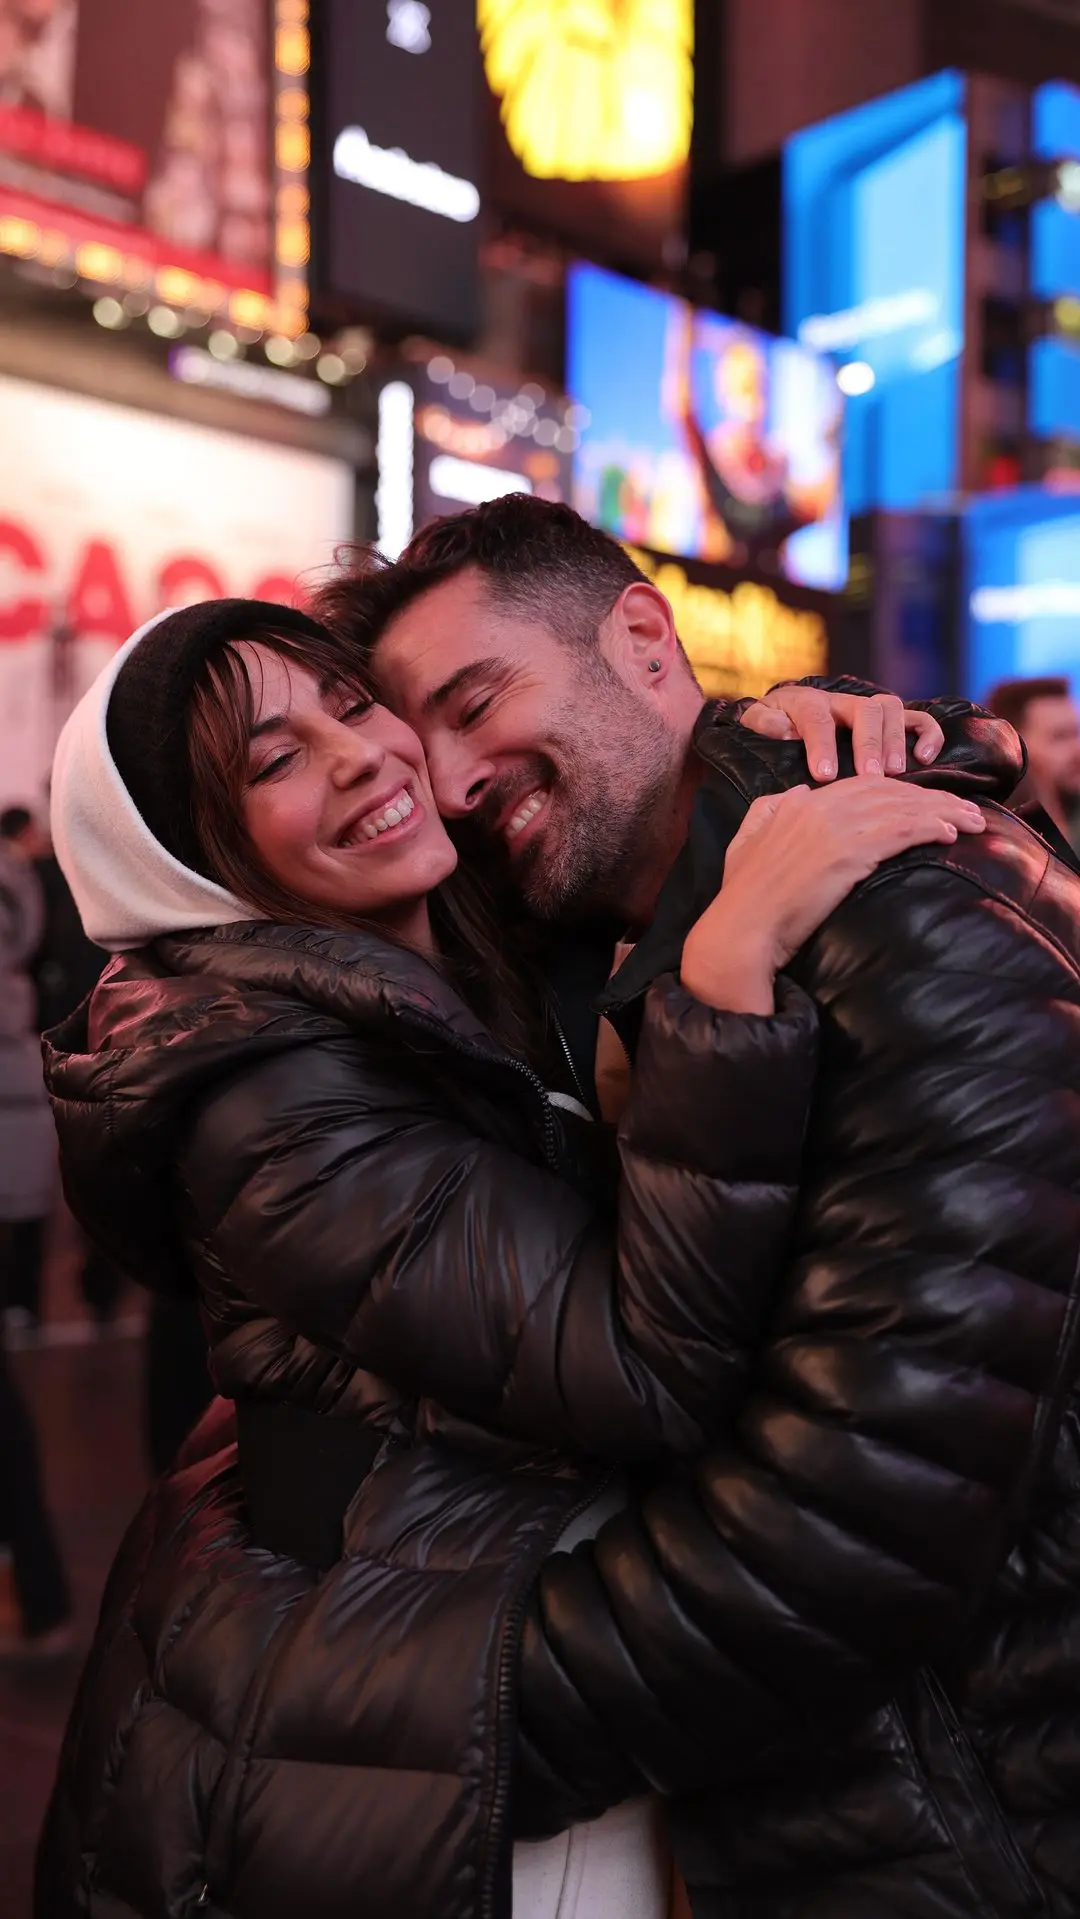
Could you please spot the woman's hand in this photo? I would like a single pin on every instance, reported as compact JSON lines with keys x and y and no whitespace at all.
{"x":879,"y":725}
{"x":794,"y":858}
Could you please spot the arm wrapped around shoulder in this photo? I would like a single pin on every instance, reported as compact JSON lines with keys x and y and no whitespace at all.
{"x":351,"y":1205}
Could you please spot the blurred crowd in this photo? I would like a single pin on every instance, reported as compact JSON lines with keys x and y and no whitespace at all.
{"x":47,"y":967}
{"x":1047,"y":718}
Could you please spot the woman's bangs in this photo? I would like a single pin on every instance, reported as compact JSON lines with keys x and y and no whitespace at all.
{"x":337,"y":665}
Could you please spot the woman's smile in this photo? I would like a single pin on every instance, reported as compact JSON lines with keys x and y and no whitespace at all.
{"x":385,"y":819}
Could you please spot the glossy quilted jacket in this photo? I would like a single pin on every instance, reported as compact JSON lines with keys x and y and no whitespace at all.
{"x":846,"y":1643}
{"x":386,"y":1224}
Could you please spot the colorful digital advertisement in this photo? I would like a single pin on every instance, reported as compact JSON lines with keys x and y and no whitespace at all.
{"x":703,"y":438}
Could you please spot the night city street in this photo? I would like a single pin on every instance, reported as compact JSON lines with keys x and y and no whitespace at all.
{"x":540,"y":959}
{"x":85,"y":1391}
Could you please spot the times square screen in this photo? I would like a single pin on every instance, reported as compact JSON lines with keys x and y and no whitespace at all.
{"x":1021,"y":588}
{"x":701,"y":437}
{"x":874,"y":245}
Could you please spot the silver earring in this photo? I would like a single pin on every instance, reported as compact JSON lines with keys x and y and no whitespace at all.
{"x":654,"y":666}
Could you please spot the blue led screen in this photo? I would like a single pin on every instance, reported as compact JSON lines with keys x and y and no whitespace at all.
{"x":874,"y":248}
{"x":1021,"y":587}
{"x":1054,"y":266}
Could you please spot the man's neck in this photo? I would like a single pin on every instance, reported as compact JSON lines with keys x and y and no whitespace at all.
{"x":638,"y":905}
{"x":1058,"y":805}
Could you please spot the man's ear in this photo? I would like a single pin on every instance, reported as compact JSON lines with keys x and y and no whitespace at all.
{"x":639,"y":636}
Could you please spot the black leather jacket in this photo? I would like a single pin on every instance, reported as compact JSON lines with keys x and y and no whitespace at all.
{"x":840,"y":1639}
{"x":842,"y":1643}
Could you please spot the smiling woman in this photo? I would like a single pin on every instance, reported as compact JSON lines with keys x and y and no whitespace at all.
{"x":299,"y":766}
{"x":261,"y":780}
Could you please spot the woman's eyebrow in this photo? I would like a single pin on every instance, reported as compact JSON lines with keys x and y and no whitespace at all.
{"x":272,"y":724}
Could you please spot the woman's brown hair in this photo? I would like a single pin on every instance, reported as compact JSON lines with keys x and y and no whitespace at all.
{"x":479,"y":956}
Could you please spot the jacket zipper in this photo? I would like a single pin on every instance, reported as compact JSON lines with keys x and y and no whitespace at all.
{"x":504,"y":1696}
{"x":984,"y":1803}
{"x":503,"y":1062}
{"x":569,"y":1058}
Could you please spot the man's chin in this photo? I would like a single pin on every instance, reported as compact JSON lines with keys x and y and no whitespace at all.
{"x":556,"y":893}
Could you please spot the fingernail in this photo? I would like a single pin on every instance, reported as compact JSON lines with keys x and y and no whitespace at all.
{"x":924,"y":750}
{"x":826,"y":769}
{"x":894,"y":764}
{"x":873,"y":766}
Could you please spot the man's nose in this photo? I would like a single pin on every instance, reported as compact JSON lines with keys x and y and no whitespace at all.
{"x":459,"y":780}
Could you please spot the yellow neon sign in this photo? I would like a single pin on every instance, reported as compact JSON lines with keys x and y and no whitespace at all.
{"x":739,"y":642}
{"x":592,"y":89}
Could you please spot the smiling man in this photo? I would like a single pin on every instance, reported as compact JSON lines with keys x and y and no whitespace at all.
{"x":840,"y":1645}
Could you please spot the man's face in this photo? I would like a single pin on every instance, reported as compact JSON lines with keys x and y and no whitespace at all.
{"x":1051,"y":732}
{"x":548,"y":756}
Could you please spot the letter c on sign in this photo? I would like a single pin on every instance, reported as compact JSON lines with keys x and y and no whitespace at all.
{"x":282,"y":589}
{"x":186,"y":580}
{"x":21,"y":619}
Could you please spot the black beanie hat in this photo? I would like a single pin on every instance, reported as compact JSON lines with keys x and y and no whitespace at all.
{"x":146,"y":720}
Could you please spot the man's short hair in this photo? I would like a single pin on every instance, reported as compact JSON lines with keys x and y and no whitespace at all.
{"x":1010,"y":699}
{"x":14,"y":821}
{"x":537,"y":558}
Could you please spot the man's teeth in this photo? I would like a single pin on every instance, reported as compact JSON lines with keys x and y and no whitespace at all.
{"x":399,"y":809}
{"x":525,"y":813}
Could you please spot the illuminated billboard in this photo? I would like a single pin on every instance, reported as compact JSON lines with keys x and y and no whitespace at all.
{"x":701,"y":437}
{"x":160,"y":149}
{"x":108,"y":515}
{"x":449,"y":439}
{"x":874,"y":251}
{"x":1021,"y":587}
{"x":740,"y":635}
{"x":1054,"y":266}
{"x":399,"y":108}
{"x":592,"y":112}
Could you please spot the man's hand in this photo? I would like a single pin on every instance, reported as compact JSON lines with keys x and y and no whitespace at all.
{"x":878,"y":725}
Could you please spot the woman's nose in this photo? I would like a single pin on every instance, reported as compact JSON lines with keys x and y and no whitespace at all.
{"x":357,"y":754}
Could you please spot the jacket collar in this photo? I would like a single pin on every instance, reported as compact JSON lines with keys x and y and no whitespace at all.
{"x":358,"y":978}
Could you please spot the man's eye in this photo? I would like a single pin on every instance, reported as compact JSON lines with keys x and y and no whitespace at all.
{"x":476,"y":711}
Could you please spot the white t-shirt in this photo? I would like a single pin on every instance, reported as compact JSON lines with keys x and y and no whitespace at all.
{"x":615,"y":1867}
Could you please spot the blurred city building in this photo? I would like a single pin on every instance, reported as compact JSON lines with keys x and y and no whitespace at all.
{"x":778,"y":294}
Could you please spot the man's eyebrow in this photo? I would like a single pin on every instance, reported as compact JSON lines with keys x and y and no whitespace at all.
{"x":460,"y":682}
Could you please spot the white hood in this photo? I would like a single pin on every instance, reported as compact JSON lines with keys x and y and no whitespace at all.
{"x":127,"y":888}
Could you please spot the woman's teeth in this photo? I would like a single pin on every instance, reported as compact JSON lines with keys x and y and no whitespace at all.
{"x":399,"y":809}
{"x":524,"y":814}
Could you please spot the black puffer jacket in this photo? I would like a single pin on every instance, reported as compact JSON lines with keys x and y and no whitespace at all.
{"x":894,"y":1516}
{"x":896,"y":1509}
{"x":377,"y":1205}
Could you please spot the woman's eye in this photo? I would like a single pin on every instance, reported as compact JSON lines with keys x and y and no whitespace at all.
{"x":272,"y":766}
{"x":357,"y":710}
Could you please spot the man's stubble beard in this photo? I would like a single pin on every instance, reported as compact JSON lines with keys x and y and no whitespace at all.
{"x":613,"y":794}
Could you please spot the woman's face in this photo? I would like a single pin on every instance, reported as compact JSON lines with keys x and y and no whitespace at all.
{"x":337,"y":801}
